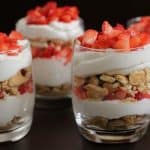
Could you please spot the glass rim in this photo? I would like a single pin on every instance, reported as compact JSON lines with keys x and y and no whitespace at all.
{"x":131,"y":50}
{"x":22,"y":47}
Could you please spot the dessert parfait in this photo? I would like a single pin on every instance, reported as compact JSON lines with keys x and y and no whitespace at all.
{"x":111,"y":84}
{"x":16,"y":87}
{"x":51,"y":31}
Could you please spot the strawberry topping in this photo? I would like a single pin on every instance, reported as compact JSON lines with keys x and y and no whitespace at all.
{"x":8,"y":44}
{"x":51,"y":12}
{"x":117,"y":38}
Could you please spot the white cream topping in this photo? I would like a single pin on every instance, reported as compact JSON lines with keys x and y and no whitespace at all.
{"x":10,"y":65}
{"x":15,"y":106}
{"x":51,"y":72}
{"x":53,"y":30}
{"x":111,"y":109}
{"x":90,"y":63}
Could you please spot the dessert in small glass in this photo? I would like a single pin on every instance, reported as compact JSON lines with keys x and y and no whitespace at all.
{"x":16,"y":87}
{"x":111,"y":84}
{"x":51,"y":31}
{"x":140,"y":24}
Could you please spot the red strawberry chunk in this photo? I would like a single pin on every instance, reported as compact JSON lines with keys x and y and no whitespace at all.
{"x":123,"y":42}
{"x":26,"y":87}
{"x":16,"y":35}
{"x":89,"y":37}
{"x":106,"y":28}
{"x":80,"y":92}
{"x":120,"y":93}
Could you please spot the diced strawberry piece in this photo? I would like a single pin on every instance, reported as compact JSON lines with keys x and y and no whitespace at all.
{"x":146,"y":95}
{"x":65,"y":18}
{"x":138,"y":96}
{"x":106,"y":28}
{"x":123,"y":42}
{"x":26,"y":87}
{"x":80,"y":92}
{"x":49,"y":8}
{"x":48,"y":52}
{"x":52,"y":18}
{"x":22,"y":89}
{"x":15,"y":35}
{"x":35,"y":52}
{"x":145,"y":38}
{"x":3,"y":47}
{"x":135,"y":41}
{"x":34,"y":17}
{"x":69,"y":56}
{"x":120,"y":93}
{"x":119,"y":27}
{"x":89,"y":37}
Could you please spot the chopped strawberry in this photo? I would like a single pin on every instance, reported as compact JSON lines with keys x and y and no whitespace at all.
{"x":106,"y":28}
{"x":26,"y":87}
{"x":15,"y":35}
{"x":65,"y":18}
{"x":49,"y":8}
{"x":89,"y":37}
{"x":35,"y":17}
{"x":145,"y":38}
{"x":80,"y":92}
{"x":123,"y":42}
{"x":120,"y":93}
{"x":35,"y":52}
{"x":138,"y":96}
{"x":48,"y":52}
{"x":135,"y":41}
{"x":146,"y":95}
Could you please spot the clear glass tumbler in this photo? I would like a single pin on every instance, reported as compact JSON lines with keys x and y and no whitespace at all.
{"x":111,"y":93}
{"x":16,"y":92}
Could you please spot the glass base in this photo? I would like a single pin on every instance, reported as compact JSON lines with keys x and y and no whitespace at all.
{"x":110,"y":137}
{"x":53,"y":102}
{"x":16,"y":134}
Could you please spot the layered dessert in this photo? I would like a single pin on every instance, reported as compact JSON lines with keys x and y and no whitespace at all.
{"x":16,"y":84}
{"x":141,"y":24}
{"x":111,"y":80}
{"x":51,"y":30}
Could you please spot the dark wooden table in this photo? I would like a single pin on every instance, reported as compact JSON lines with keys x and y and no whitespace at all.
{"x":56,"y":130}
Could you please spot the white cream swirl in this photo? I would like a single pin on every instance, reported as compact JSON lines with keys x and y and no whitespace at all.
{"x":10,"y":65}
{"x":53,"y":30}
{"x":88,"y":63}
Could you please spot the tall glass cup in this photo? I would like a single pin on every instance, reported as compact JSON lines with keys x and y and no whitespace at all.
{"x":111,"y":93}
{"x":16,"y":93}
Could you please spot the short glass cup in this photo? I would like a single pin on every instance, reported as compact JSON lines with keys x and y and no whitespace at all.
{"x":17,"y":94}
{"x":111,"y":93}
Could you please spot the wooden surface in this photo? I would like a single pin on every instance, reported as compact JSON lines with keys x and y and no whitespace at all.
{"x":56,"y":130}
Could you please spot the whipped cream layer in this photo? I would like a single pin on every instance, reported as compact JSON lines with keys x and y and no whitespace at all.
{"x":10,"y":65}
{"x":88,"y":63}
{"x":53,"y":30}
{"x":15,"y":106}
{"x":111,"y":109}
{"x":51,"y":72}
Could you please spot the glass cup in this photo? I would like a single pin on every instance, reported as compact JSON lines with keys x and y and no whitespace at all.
{"x":111,"y":93}
{"x":16,"y":94}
